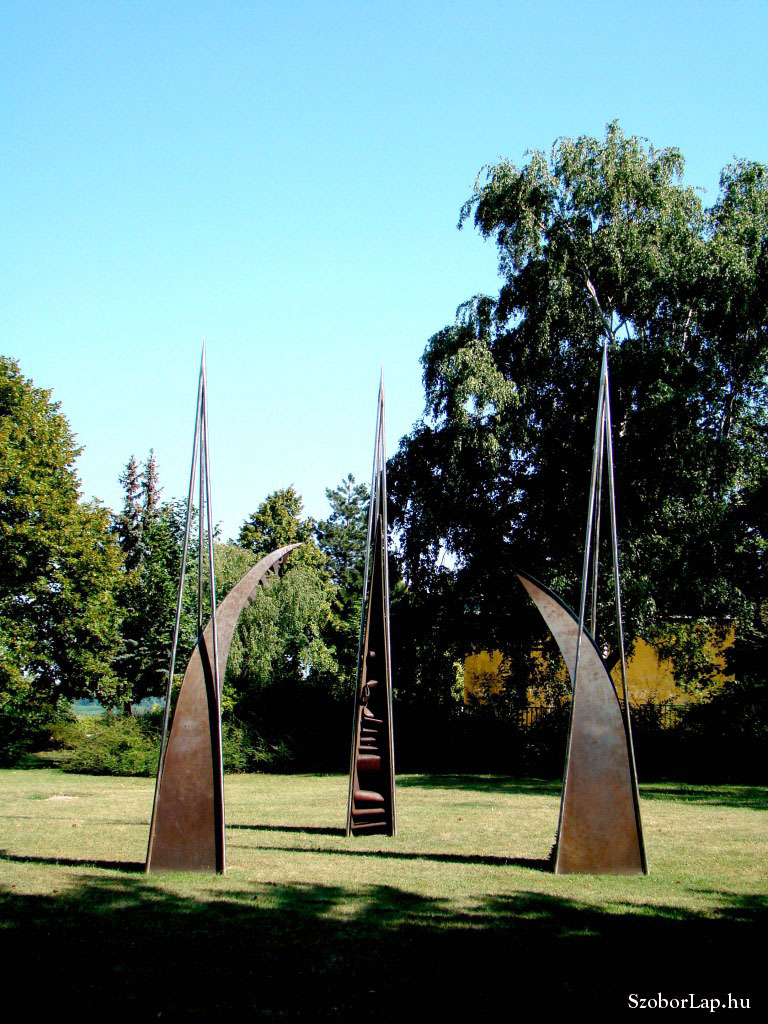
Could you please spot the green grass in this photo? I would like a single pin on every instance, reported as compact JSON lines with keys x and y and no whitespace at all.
{"x":457,"y":912}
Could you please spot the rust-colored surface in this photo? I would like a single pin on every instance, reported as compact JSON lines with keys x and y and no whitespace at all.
{"x":187,"y":832}
{"x":372,"y":778}
{"x":230,"y":608}
{"x":599,"y":817}
{"x":188,"y":829}
{"x":372,"y":801}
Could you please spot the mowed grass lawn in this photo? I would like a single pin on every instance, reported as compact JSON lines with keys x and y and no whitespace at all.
{"x":459,"y":916}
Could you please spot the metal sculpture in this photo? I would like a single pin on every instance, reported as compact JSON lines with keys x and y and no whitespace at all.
{"x":184,"y":820}
{"x":187,"y":829}
{"x":600,"y":831}
{"x":371,"y":807}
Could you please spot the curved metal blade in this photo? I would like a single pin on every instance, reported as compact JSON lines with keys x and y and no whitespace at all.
{"x":187,"y":831}
{"x":599,"y":814}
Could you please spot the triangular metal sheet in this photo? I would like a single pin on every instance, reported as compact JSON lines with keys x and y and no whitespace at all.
{"x":187,"y":832}
{"x":600,"y":831}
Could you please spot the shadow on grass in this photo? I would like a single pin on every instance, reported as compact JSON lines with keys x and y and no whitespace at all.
{"x":310,"y":830}
{"x":502,"y":784}
{"x":533,"y":863}
{"x":716,"y":796}
{"x":130,"y":866}
{"x":290,"y":951}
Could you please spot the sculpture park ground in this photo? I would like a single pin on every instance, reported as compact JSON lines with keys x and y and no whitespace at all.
{"x":456,"y":916}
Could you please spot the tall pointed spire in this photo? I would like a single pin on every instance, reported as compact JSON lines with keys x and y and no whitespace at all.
{"x":600,"y":829}
{"x":187,"y":829}
{"x":372,"y":806}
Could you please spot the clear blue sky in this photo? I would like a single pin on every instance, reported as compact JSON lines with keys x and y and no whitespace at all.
{"x":286,"y":180}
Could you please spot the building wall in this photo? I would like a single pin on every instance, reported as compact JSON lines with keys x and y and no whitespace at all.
{"x":649,"y":677}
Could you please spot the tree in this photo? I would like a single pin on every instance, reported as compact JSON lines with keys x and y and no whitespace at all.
{"x":151,"y":537}
{"x":128,"y":522}
{"x":279,"y":641}
{"x":601,"y":237}
{"x":342,"y":538}
{"x":282,"y":671}
{"x":343,"y":534}
{"x":150,"y":485}
{"x":59,"y":567}
{"x":276,"y":522}
{"x":281,"y":632}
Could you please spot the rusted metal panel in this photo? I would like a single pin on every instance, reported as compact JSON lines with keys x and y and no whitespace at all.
{"x":187,"y":832}
{"x":600,"y":830}
{"x":371,"y":805}
{"x":243,"y":591}
{"x":188,"y":823}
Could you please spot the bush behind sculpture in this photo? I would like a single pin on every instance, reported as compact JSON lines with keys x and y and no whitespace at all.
{"x":111,"y":744}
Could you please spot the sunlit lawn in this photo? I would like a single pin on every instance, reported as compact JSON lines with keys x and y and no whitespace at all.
{"x":457,"y":912}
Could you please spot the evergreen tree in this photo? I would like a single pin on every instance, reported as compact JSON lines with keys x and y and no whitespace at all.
{"x":127,"y":525}
{"x":276,"y":522}
{"x":150,"y":487}
{"x":343,"y":534}
{"x":151,"y":535}
{"x":342,"y":537}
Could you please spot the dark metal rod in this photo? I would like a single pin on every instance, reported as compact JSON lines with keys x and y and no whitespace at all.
{"x":598,"y":508}
{"x":201,"y":498}
{"x":619,"y":623}
{"x":584,"y":574}
{"x":385,"y":595}
{"x":587,"y":542}
{"x":217,"y":682}
{"x":211,"y":569}
{"x":179,"y":599}
{"x":372,"y":500}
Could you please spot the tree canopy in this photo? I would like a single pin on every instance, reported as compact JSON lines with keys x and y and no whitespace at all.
{"x":342,"y":538}
{"x":281,"y":631}
{"x":151,"y":534}
{"x":601,"y":236}
{"x":59,"y":565}
{"x":276,"y":522}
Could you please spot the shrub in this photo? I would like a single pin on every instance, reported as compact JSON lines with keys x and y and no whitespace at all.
{"x":130,"y":745}
{"x":237,"y":750}
{"x":25,"y":719}
{"x":112,"y":745}
{"x":726,"y":737}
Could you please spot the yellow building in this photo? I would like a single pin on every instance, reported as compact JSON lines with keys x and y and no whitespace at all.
{"x":649,"y":676}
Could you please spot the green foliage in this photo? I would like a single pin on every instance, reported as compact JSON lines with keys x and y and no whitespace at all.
{"x":130,"y":745}
{"x":342,"y":538}
{"x":283,"y":674}
{"x":276,"y":522}
{"x":693,"y":648}
{"x":236,"y":748}
{"x":112,"y":745}
{"x":127,"y":524}
{"x":151,"y":535}
{"x":280,"y":633}
{"x":230,"y":563}
{"x":599,"y":237}
{"x":59,"y":567}
{"x":24,"y":715}
{"x":343,"y":534}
